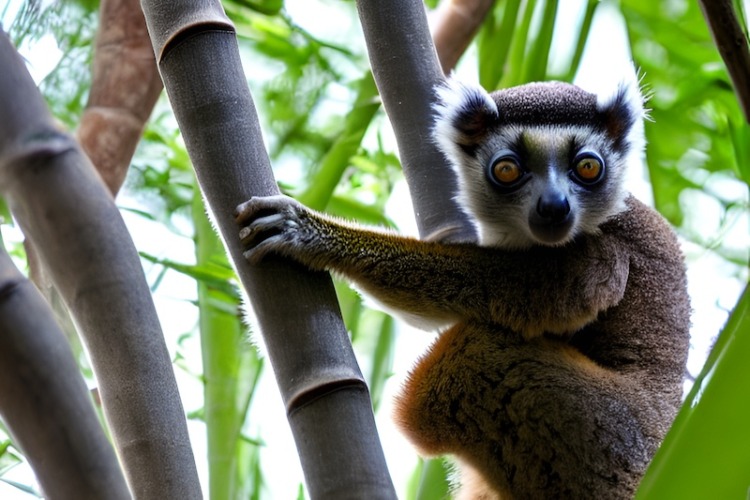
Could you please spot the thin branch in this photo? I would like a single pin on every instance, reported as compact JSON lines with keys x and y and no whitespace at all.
{"x":733,"y":46}
{"x":454,"y":25}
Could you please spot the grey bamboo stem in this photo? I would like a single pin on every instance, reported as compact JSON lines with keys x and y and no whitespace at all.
{"x":327,"y":401}
{"x":44,"y":400}
{"x":64,"y":208}
{"x":406,"y":70}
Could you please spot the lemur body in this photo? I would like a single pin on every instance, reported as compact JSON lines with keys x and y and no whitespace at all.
{"x":565,"y":335}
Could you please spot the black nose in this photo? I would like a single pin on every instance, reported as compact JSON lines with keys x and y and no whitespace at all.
{"x":553,"y":206}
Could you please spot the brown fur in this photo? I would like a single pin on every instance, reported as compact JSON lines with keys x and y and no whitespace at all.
{"x":557,"y":417}
{"x":561,"y":369}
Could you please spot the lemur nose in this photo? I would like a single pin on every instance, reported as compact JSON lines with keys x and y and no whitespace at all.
{"x":553,"y":206}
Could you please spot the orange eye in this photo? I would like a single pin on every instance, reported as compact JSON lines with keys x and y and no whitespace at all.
{"x":589,"y":168}
{"x":506,"y":171}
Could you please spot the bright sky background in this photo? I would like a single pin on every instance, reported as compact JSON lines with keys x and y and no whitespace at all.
{"x":713,"y":285}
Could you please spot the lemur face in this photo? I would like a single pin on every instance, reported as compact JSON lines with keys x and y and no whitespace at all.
{"x":539,"y":163}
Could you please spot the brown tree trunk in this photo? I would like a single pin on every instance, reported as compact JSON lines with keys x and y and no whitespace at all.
{"x":124,"y":90}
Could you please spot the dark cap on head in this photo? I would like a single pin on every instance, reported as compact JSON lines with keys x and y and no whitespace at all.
{"x":554,"y":103}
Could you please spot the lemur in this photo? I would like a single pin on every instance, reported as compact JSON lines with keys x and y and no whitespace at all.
{"x":564,"y":330}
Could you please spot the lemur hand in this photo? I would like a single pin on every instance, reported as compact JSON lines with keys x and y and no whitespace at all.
{"x":273,"y":224}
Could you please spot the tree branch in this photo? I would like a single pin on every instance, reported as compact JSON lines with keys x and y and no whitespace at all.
{"x":454,"y":24}
{"x":733,"y":46}
{"x":124,"y":90}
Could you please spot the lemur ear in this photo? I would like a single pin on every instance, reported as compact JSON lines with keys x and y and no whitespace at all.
{"x":622,"y":112}
{"x":465,"y":115}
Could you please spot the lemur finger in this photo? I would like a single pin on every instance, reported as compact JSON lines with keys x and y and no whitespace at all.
{"x":257,"y":253}
{"x":265,"y":227}
{"x":260,"y":205}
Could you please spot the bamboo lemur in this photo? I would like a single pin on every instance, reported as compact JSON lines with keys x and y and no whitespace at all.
{"x":564,"y":330}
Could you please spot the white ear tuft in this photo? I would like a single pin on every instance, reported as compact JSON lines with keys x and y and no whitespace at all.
{"x":456,"y":109}
{"x":624,"y":87}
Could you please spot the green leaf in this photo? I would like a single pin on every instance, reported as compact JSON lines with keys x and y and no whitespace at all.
{"x":430,"y":480}
{"x":494,"y":42}
{"x":5,"y":215}
{"x":8,"y":459}
{"x":519,"y":46}
{"x":535,"y":66}
{"x":348,"y":143}
{"x":267,"y":7}
{"x":705,"y":454}
{"x":382,"y":360}
{"x":583,"y":36}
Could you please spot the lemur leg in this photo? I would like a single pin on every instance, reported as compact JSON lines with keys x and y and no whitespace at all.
{"x":535,"y":418}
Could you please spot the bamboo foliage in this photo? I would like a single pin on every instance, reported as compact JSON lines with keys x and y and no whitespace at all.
{"x":702,"y":455}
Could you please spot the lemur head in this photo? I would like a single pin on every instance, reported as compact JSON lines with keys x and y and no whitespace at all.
{"x":540,"y":163}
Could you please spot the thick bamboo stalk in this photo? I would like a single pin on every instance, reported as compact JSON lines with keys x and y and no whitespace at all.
{"x":63,"y":206}
{"x":325,"y":394}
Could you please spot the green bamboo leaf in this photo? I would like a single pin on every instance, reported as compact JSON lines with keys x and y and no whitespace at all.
{"x":433,"y":480}
{"x":740,"y":135}
{"x":8,"y":459}
{"x":336,"y":160}
{"x":583,"y":36}
{"x":5,"y":216}
{"x":515,"y":68}
{"x":267,"y":7}
{"x":535,"y":65}
{"x":354,"y":210}
{"x":705,"y":454}
{"x":213,"y":271}
{"x":382,"y":359}
{"x":494,"y":41}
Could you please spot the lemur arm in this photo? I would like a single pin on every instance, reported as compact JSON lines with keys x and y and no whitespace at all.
{"x":444,"y":283}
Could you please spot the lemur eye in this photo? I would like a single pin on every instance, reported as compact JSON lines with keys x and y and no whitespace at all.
{"x":588,"y":168}
{"x":504,"y":170}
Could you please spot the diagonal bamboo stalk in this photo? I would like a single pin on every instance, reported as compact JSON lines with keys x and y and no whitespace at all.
{"x":66,"y":211}
{"x":44,"y":400}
